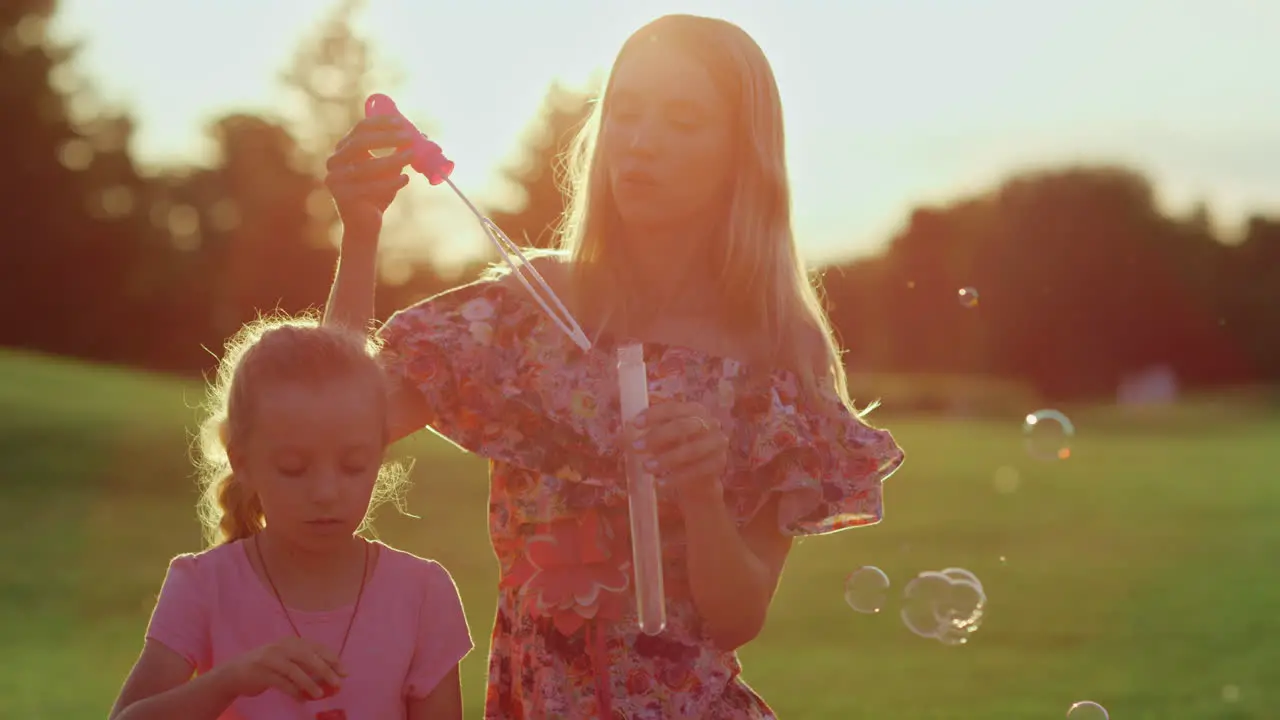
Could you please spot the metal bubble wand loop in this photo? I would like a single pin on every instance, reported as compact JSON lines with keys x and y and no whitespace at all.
{"x":429,"y":160}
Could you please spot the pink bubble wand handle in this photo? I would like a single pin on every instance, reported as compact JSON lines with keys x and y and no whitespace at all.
{"x":429,"y":161}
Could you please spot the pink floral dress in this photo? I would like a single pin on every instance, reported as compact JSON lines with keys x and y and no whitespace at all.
{"x":504,"y":382}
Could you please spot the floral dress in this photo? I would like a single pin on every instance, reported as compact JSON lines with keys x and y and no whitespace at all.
{"x":504,"y":382}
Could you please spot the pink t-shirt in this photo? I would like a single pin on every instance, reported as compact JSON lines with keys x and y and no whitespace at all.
{"x":409,"y":632}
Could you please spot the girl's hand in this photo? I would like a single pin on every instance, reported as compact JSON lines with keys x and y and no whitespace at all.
{"x":302,"y":669}
{"x":362,"y":185}
{"x":683,"y":446}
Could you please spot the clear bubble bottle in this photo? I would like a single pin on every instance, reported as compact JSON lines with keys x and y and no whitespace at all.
{"x":646,"y":548}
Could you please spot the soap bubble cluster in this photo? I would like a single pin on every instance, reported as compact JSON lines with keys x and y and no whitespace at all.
{"x":946,"y":605}
{"x":949,"y":605}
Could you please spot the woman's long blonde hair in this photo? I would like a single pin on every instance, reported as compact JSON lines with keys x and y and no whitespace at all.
{"x":762,"y":271}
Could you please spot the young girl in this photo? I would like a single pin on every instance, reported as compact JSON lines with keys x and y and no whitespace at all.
{"x":291,"y":614}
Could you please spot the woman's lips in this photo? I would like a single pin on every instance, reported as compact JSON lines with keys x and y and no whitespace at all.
{"x":325,"y":523}
{"x":636,"y":178}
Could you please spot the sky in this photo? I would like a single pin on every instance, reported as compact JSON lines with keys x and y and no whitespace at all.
{"x":887,"y":105}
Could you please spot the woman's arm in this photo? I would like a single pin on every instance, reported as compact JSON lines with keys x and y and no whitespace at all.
{"x":363,"y":187}
{"x":733,"y":574}
{"x":350,"y":302}
{"x":350,"y":306}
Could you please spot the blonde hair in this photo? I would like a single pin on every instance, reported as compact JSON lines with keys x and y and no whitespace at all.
{"x":762,"y":271}
{"x":270,"y":350}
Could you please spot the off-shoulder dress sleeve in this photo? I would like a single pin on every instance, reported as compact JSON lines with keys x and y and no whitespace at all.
{"x":466,"y":352}
{"x":824,"y":464}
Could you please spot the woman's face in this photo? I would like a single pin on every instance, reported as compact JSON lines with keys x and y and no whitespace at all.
{"x":666,"y":139}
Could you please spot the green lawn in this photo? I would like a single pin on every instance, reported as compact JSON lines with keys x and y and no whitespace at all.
{"x":1139,"y":573}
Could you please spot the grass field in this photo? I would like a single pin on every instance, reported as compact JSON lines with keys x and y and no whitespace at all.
{"x":1140,"y":573}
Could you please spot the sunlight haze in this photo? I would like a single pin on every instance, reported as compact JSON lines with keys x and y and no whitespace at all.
{"x":887,"y":105}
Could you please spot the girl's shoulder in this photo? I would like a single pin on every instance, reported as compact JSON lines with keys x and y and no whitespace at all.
{"x":200,"y":576}
{"x":209,"y":562}
{"x":407,"y":568}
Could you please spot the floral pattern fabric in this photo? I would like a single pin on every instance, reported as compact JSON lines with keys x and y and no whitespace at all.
{"x":504,"y":382}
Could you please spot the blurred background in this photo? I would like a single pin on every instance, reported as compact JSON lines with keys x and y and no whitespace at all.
{"x":1014,"y":206}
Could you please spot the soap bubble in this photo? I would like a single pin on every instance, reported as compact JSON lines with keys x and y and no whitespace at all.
{"x":1007,"y":479}
{"x":922,"y":599}
{"x":955,"y":636}
{"x":968,"y":297}
{"x":1087,"y":710}
{"x":946,"y":606}
{"x":866,"y":590}
{"x":1047,"y":435}
{"x":964,"y":601}
{"x":955,"y":573}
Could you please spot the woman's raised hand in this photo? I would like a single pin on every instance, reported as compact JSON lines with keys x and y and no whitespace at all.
{"x":363,"y":185}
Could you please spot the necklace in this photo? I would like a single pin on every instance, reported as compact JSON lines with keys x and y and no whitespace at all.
{"x":329,"y":690}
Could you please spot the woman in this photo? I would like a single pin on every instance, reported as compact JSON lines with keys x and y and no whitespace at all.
{"x":678,"y":235}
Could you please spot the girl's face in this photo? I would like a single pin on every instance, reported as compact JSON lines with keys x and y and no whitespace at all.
{"x":666,"y":138}
{"x":313,"y":458}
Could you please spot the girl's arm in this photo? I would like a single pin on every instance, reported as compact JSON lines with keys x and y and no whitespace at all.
{"x":160,"y":686}
{"x":432,"y":685}
{"x":444,"y":702}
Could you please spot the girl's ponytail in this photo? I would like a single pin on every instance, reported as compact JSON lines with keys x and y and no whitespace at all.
{"x":228,"y":510}
{"x":241,"y":512}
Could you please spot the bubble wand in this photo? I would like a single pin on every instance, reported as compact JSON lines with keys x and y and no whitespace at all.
{"x":429,"y":160}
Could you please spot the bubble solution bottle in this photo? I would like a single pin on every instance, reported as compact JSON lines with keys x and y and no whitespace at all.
{"x":328,"y":707}
{"x":646,"y":550}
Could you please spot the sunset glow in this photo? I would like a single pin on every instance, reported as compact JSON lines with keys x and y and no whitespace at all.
{"x":887,"y":106}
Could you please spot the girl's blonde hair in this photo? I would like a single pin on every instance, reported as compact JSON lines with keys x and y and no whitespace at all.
{"x":762,"y":272}
{"x":271,"y":350}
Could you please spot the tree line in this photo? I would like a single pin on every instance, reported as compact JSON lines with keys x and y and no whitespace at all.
{"x":1081,"y":279}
